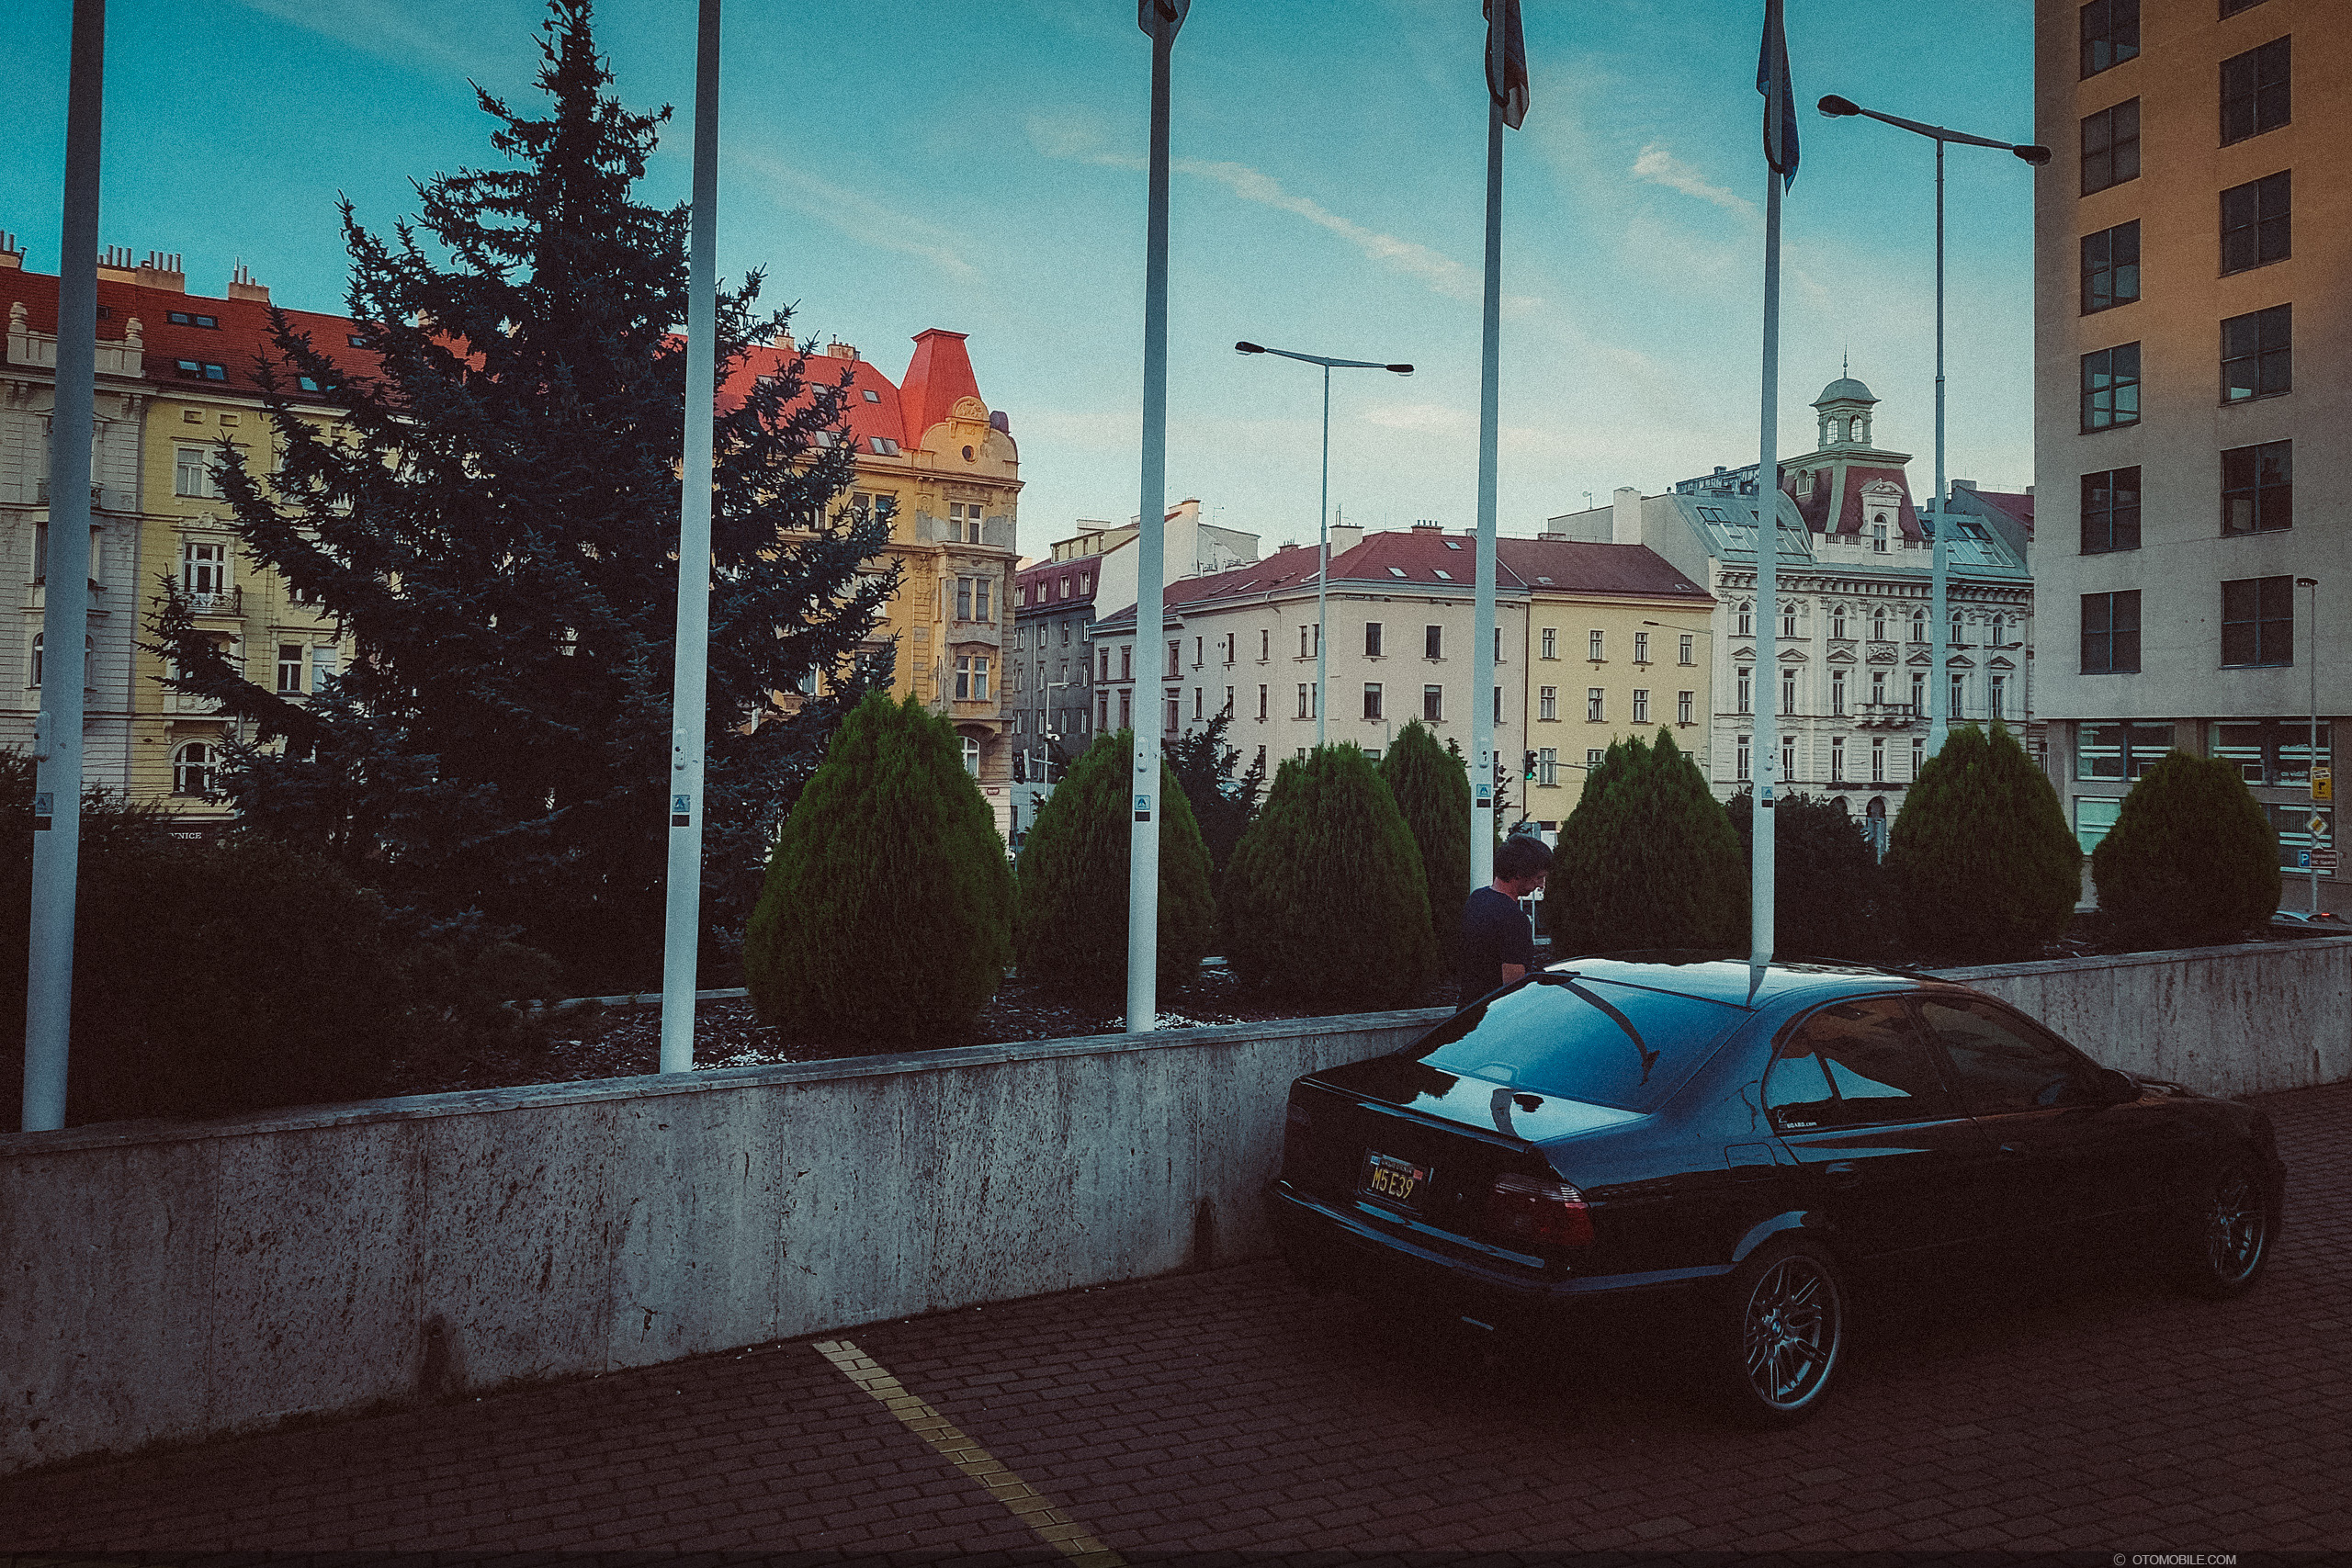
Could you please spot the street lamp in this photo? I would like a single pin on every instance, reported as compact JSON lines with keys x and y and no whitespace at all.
{"x":1836,"y":107}
{"x":2312,"y":763}
{"x":1323,"y":572}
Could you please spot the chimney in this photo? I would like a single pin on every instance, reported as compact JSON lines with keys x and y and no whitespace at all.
{"x":1625,"y":515}
{"x":1963,"y":484}
{"x":1427,"y":526}
{"x":1346,"y":537}
{"x":12,"y":251}
{"x":161,"y":270}
{"x":841,"y":350}
{"x":115,"y":264}
{"x":1000,"y":420}
{"x":242,"y":287}
{"x":784,"y":341}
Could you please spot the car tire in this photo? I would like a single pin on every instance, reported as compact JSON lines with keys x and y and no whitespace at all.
{"x":2224,"y":1239}
{"x":1780,"y":1334}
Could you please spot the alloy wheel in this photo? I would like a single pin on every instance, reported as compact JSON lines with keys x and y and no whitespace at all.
{"x":2237,"y":1225}
{"x":1792,"y":1332}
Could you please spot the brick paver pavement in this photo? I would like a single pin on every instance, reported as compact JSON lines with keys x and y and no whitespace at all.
{"x":1228,"y":1411}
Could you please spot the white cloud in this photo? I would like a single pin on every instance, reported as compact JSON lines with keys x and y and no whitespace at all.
{"x":853,"y":212}
{"x":409,"y":32}
{"x":1660,"y":166}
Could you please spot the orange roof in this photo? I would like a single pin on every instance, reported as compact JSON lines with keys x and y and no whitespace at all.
{"x":240,"y":334}
{"x":873,"y":403}
{"x":939,"y":373}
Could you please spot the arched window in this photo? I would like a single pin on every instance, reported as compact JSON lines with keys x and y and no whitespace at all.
{"x":1878,"y":625}
{"x":1918,"y":626}
{"x":1747,"y":619}
{"x":1878,"y":538}
{"x":971,"y":756}
{"x":192,"y":767}
{"x":1994,"y":631}
{"x":1837,"y":623}
{"x":1957,"y":629}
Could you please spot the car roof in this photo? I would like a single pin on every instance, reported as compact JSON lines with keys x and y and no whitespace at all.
{"x":1732,"y":979}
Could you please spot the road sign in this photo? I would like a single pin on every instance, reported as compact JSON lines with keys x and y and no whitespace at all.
{"x":2319,"y":826}
{"x":2323,"y":783}
{"x":2322,"y":860}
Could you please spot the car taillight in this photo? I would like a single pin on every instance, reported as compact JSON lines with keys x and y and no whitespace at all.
{"x":1295,"y":1119}
{"x":1537,"y":1213}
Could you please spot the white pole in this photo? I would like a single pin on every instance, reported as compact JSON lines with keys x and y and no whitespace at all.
{"x":65,"y":610}
{"x":1143,"y":856}
{"x":1482,"y":634}
{"x":1939,"y":683}
{"x":1323,"y":570}
{"x":682,"y":927}
{"x":1767,"y":551}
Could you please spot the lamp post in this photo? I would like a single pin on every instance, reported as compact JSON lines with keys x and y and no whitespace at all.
{"x":2311,"y":764}
{"x":1323,"y":520}
{"x":1836,"y":107}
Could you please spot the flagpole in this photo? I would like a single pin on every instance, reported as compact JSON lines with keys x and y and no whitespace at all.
{"x":1151,"y":519}
{"x":57,"y":733}
{"x":1482,"y":652}
{"x":1768,"y":614}
{"x":689,"y":694}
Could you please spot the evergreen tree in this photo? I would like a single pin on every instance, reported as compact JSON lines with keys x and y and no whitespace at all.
{"x":885,"y":912}
{"x":1827,"y":901}
{"x":496,"y":529}
{"x":2192,"y":857}
{"x":1222,"y":802}
{"x":1648,"y":859}
{"x":1980,"y":857}
{"x":1326,"y":899}
{"x":1434,"y":795}
{"x":1073,"y":881}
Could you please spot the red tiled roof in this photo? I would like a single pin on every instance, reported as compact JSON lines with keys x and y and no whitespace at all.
{"x":869,"y":416}
{"x":1576,"y":567}
{"x":242,"y":333}
{"x":1060,"y":582}
{"x":1815,"y":508}
{"x":939,"y":374}
{"x":2016,"y":503}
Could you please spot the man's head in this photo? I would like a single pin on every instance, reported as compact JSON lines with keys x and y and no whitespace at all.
{"x":1521,"y":862}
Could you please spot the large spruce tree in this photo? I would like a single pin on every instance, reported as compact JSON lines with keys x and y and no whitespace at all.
{"x":1646,"y":859}
{"x":495,"y":527}
{"x":1432,"y":792}
{"x":1980,"y":858}
{"x":2192,"y":857}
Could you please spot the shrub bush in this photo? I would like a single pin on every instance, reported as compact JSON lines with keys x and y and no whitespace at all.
{"x":1325,"y":897}
{"x":1432,"y":795}
{"x":1072,"y":887}
{"x":1646,"y":859}
{"x":886,"y":911}
{"x":1980,"y":857}
{"x":1827,"y":898}
{"x":2192,"y":857}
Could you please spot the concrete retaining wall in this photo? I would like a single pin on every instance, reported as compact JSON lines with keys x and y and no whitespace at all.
{"x":164,"y":1284}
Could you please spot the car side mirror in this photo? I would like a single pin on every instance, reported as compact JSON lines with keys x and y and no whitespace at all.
{"x":2115,"y":1087}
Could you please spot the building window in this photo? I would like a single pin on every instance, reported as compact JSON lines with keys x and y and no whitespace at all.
{"x":289,"y":666}
{"x":1547,"y":703}
{"x":963,"y":598}
{"x":1788,"y":759}
{"x":1957,"y":702}
{"x":1551,"y":642}
{"x":2258,"y":355}
{"x":1432,"y":642}
{"x":1684,"y":656}
{"x":1196,"y":651}
{"x":1595,"y":645}
{"x":1304,"y":688}
{"x":2257,"y":488}
{"x":1878,"y":538}
{"x":1746,"y":687}
{"x":204,"y":569}
{"x":1788,"y":691}
{"x":971,"y":756}
{"x":1641,"y":704}
{"x":1595,"y":705}
{"x":1592,"y":756}
{"x":1878,"y":625}
{"x":1433,"y":703}
{"x":1957,"y":637}
{"x":1102,"y":710}
{"x":1746,"y":624}
{"x":2111,"y":267}
{"x":1996,"y":702}
{"x":1918,"y":626}
{"x":1499,"y":705}
{"x":1372,"y":699}
{"x":1837,"y":693}
{"x":2122,"y":751}
{"x":192,"y":474}
{"x":1372,"y":639}
{"x":2272,"y":751}
{"x":2257,"y":223}
{"x":2112,"y":386}
{"x":1265,"y":646}
{"x":1169,"y":703}
{"x":1789,"y":621}
{"x":1641,"y":647}
{"x":2258,"y":621}
{"x":1919,"y":694}
{"x":1262,"y":700}
{"x":192,"y":768}
{"x":1739,"y":760}
{"x":2111,"y":146}
{"x":1684,"y":702}
{"x":1196,"y":705}
{"x":1878,"y":687}
{"x":1919,"y":754}
{"x":1837,"y":759}
{"x":1175,"y":657}
{"x":1547,"y":768}
{"x":1878,"y":760}
{"x":2110,"y":632}
{"x":2111,"y":34}
{"x":2255,"y":90}
{"x":2111,"y":511}
{"x":1126,"y":709}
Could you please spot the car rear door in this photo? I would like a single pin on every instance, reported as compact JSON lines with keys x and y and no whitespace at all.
{"x":1881,"y":1145}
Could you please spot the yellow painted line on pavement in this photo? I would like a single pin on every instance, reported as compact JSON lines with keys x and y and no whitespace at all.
{"x":1029,"y":1506}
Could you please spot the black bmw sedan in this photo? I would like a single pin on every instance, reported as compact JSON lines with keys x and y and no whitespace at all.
{"x":1610,"y":1129}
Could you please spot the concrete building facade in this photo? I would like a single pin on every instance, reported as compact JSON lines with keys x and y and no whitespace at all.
{"x":2193,"y":395}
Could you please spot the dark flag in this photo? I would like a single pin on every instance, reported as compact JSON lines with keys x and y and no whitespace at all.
{"x":1153,"y":15}
{"x":1771,"y":66}
{"x":1507,"y":61}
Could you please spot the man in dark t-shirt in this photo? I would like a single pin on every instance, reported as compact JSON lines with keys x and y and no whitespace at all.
{"x":1497,"y":944}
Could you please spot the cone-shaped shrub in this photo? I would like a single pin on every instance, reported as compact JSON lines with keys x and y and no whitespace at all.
{"x":1432,"y":793}
{"x":1648,"y":859}
{"x":1324,"y":898}
{"x":886,"y":911}
{"x":1980,"y":858}
{"x":2192,"y":857}
{"x":1826,"y":896}
{"x":1073,"y":881}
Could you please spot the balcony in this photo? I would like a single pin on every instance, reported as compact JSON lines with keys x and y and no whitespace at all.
{"x":1884,"y":716}
{"x":225,"y":601}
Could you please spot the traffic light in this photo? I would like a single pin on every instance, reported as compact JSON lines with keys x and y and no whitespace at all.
{"x":1529,"y":770}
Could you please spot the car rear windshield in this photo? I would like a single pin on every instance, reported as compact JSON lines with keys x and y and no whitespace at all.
{"x":1606,"y":1044}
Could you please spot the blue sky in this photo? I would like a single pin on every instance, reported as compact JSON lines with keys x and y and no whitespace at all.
{"x":900,"y":164}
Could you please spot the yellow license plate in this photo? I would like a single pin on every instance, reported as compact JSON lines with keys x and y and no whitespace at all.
{"x":1393,"y":1180}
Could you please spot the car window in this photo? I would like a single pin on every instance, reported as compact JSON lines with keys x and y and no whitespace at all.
{"x":1604,"y":1044}
{"x":1855,"y":1063}
{"x":2001,"y":1064}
